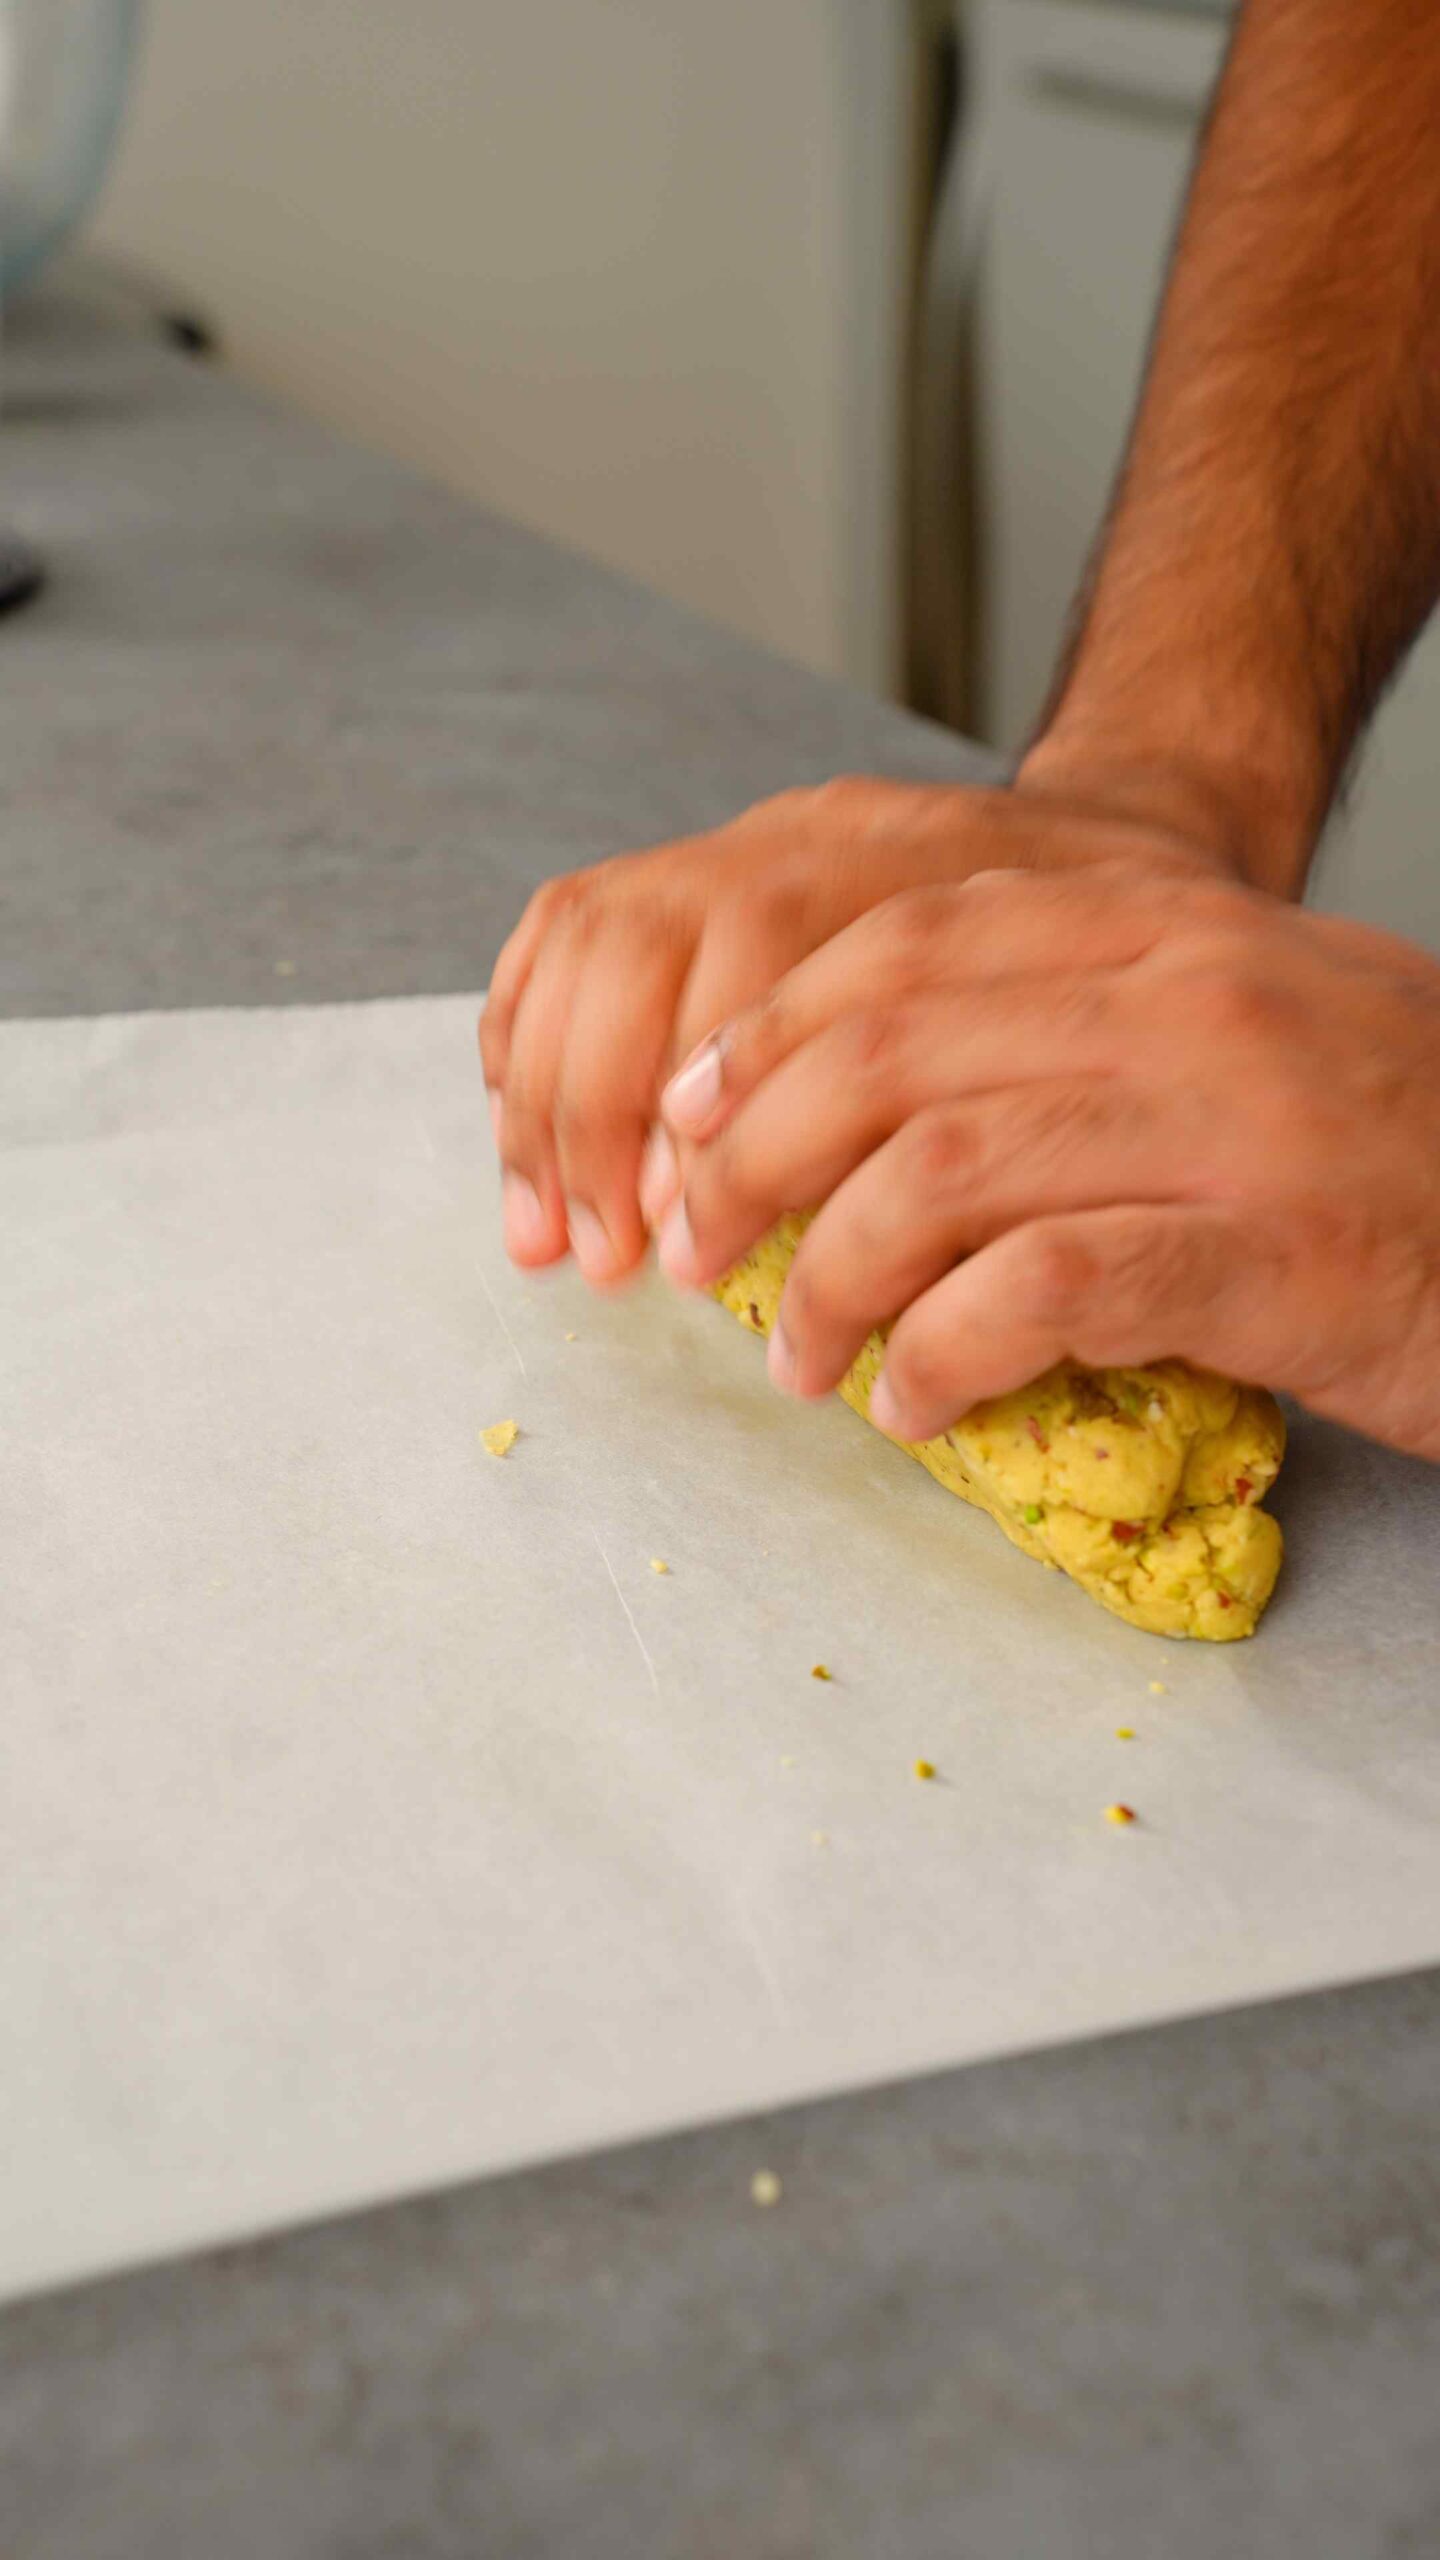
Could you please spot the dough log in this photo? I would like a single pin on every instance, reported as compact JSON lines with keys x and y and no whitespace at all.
{"x":1144,"y":1485}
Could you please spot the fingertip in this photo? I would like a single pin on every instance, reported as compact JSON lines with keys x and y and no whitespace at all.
{"x":780,"y":1360}
{"x":659,"y":1178}
{"x":524,"y":1215}
{"x":886,"y":1413}
{"x":678,"y":1258}
{"x":592,"y":1245}
{"x":534,"y":1233}
{"x":693,"y":1094}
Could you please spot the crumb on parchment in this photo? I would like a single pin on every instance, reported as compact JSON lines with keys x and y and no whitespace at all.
{"x":1124,"y":1733}
{"x":765,"y":2188}
{"x":1157,"y":1688}
{"x":1121,"y":1813}
{"x":925,"y":1769}
{"x":821,"y":1671}
{"x":500,"y":1438}
{"x":819,"y":1839}
{"x":658,"y":1565}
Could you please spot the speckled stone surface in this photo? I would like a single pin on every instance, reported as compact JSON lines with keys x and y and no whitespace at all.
{"x":287,"y":725}
{"x":283,"y":708}
{"x":1170,"y":2297}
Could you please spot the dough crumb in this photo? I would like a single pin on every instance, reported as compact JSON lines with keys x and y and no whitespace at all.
{"x":819,"y":1839}
{"x":1157,"y":1688}
{"x":1124,"y":1733}
{"x":788,"y":1760}
{"x":500,"y":1438}
{"x":925,"y":1769}
{"x":572,"y":1337}
{"x":658,"y":1565}
{"x":819,"y":1672}
{"x":1121,"y":1813}
{"x":765,"y":2188}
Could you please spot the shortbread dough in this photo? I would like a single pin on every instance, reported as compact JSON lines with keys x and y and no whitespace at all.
{"x":1144,"y":1485}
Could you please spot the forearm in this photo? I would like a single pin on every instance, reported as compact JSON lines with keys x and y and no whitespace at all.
{"x":1275,"y":539}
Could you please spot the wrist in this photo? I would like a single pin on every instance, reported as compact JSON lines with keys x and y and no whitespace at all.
{"x":1251,"y":817}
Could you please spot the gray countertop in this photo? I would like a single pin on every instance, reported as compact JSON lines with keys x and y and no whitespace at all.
{"x":1169,"y":2294}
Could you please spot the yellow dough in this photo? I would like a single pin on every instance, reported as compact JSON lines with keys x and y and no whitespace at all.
{"x":1144,"y":1485}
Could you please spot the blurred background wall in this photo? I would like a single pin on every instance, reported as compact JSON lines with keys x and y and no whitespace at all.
{"x":620,"y":268}
{"x":824,"y":316}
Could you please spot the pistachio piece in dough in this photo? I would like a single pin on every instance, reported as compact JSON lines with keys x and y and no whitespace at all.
{"x":1143,"y":1484}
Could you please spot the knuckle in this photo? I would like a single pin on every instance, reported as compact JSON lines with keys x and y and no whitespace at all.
{"x":940,"y":1153}
{"x":993,"y":884}
{"x":813,"y":1304}
{"x":578,"y":925}
{"x":554,"y":896}
{"x":1235,"y":998}
{"x":780,"y":912}
{"x":916,"y":1365}
{"x":872,"y":1045}
{"x":1053,"y":1271}
{"x":918,"y":922}
{"x":852,"y":798}
{"x":785,"y":808}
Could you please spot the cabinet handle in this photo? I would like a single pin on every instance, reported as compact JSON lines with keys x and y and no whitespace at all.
{"x":1096,"y":94}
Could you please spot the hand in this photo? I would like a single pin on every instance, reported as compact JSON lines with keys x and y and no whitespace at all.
{"x":613,"y":974}
{"x":1116,"y":1118}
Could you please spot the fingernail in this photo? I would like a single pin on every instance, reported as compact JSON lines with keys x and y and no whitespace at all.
{"x":677,"y":1246}
{"x":691,"y":1096}
{"x":659,"y":1177}
{"x":780,"y":1361}
{"x":589,"y":1241}
{"x":884,"y":1409}
{"x":497,"y":1114}
{"x":524,"y":1217}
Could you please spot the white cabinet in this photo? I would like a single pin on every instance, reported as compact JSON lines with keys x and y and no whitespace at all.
{"x":633,"y":273}
{"x":1085,"y":120}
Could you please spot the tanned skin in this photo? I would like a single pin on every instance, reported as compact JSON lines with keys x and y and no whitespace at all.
{"x":1275,"y":543}
{"x":1153,"y":1108}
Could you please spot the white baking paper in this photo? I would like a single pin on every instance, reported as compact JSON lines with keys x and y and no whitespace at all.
{"x":373,"y":1815}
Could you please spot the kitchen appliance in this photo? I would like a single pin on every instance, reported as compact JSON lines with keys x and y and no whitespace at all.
{"x":64,"y":71}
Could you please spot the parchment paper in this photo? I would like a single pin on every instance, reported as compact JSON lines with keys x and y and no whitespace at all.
{"x":373,"y":1814}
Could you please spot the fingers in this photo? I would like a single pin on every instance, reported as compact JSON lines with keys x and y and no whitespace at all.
{"x":957,"y":936}
{"x":603,"y":1102}
{"x":952,"y":1179}
{"x":659,"y":1178}
{"x":512,"y":972}
{"x":831,"y":1102}
{"x":536,"y":1230}
{"x":1107,"y":1287}
{"x":586,"y":1051}
{"x":749,"y":944}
